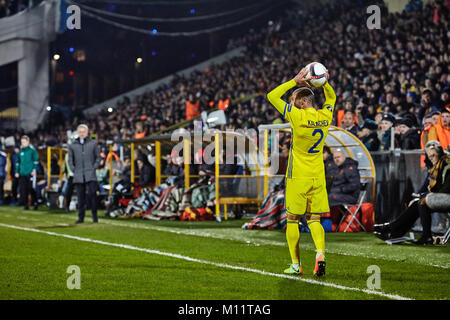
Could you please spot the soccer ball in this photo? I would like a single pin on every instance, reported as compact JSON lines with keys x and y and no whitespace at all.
{"x":317,"y":74}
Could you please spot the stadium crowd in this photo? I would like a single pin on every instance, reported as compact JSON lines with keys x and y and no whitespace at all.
{"x":391,"y":80}
{"x":383,"y":78}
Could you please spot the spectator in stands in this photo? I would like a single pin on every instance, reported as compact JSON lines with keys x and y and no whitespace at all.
{"x":175,"y":169}
{"x":409,"y":136}
{"x":102,"y":174}
{"x":387,"y":121}
{"x":84,"y":160}
{"x":435,"y":116}
{"x":427,"y":124}
{"x":441,"y":131}
{"x":426,"y":104}
{"x":192,"y":107}
{"x":413,"y":5}
{"x":3,"y":159}
{"x":439,"y":182}
{"x":396,"y":106}
{"x":126,"y":173}
{"x":348,"y":122}
{"x":445,"y":99}
{"x":368,"y":135}
{"x":223,"y":103}
{"x":140,"y":130}
{"x":345,"y":185}
{"x":26,"y":166}
{"x":113,"y":163}
{"x":125,"y":182}
{"x":146,"y":174}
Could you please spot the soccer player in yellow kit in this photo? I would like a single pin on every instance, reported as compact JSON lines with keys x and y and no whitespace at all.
{"x":305,"y":174}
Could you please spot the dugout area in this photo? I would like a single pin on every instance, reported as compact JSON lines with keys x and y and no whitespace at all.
{"x":341,"y":139}
{"x":246,"y":188}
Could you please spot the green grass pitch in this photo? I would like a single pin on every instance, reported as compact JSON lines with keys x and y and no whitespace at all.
{"x":142,"y":259}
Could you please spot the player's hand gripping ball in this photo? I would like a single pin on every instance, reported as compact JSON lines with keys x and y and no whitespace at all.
{"x":317,"y":74}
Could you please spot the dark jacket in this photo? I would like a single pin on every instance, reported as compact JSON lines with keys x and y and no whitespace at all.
{"x":371,"y":142}
{"x":2,"y":163}
{"x":331,"y":168}
{"x":410,"y":140}
{"x":173,"y":170}
{"x":84,"y":160}
{"x":12,"y":168}
{"x":347,"y":179}
{"x":385,"y":143}
{"x":27,"y":161}
{"x":146,"y":175}
{"x":353,"y":129}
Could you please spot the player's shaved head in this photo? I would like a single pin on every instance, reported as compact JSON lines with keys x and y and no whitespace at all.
{"x":303,"y":97}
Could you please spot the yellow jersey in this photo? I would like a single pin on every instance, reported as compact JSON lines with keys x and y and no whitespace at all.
{"x":309,"y":130}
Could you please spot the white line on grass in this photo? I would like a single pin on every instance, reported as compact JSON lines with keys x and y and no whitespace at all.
{"x":238,"y":235}
{"x":216,"y":264}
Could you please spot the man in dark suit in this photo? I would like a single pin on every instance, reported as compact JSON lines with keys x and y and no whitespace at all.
{"x":84,"y":160}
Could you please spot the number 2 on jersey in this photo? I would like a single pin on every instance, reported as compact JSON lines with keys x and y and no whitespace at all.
{"x":318,"y":141}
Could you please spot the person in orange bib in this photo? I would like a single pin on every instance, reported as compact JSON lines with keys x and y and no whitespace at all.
{"x":441,"y":131}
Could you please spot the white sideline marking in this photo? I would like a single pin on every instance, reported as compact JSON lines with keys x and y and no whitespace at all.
{"x":257,"y":242}
{"x":216,"y":264}
{"x":233,"y":236}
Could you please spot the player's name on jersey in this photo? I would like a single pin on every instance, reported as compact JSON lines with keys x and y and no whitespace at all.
{"x":320,"y":123}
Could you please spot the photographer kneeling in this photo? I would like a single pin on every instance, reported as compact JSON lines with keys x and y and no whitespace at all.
{"x":438,"y":182}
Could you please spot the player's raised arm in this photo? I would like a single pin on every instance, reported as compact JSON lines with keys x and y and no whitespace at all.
{"x":330,"y":95}
{"x":275,"y":95}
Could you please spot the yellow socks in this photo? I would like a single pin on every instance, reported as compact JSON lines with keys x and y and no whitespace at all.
{"x":317,"y":233}
{"x":293,"y":237}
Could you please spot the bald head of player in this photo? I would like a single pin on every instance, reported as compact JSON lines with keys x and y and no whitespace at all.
{"x":302,"y":98}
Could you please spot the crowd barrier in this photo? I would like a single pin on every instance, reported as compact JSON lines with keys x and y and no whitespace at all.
{"x":398,"y":174}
